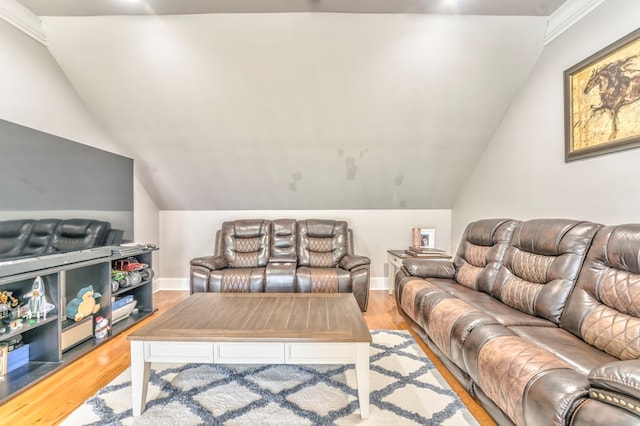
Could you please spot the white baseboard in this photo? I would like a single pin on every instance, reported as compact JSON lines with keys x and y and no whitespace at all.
{"x":171,"y":284}
{"x":378,"y":283}
{"x":375,"y":283}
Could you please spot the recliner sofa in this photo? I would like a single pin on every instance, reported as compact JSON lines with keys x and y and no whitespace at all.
{"x":283,"y":256}
{"x":539,"y":320}
{"x":29,"y":237}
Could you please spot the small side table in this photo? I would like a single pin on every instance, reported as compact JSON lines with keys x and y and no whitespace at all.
{"x":395,"y":258}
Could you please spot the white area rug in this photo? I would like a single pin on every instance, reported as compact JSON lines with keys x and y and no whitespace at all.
{"x":406,"y":389}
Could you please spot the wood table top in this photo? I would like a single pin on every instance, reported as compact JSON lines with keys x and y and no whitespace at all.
{"x":299,"y":317}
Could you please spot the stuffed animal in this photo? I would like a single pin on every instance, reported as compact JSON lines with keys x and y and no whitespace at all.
{"x":84,"y":304}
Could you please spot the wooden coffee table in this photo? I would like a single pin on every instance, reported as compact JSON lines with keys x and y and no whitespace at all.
{"x":254,"y":328}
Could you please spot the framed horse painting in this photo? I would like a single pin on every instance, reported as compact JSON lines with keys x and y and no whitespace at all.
{"x":602,"y":101}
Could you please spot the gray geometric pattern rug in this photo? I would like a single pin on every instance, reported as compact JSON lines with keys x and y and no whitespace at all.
{"x":405,"y":389}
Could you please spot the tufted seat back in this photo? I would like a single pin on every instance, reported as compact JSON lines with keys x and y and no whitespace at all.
{"x":246,"y":243}
{"x":322,"y":243}
{"x":604,"y":308}
{"x":483,"y":242}
{"x":541,"y":265}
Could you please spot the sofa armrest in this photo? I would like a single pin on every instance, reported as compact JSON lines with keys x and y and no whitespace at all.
{"x":619,"y":377}
{"x":429,"y":268}
{"x":352,"y":261}
{"x":210,"y":262}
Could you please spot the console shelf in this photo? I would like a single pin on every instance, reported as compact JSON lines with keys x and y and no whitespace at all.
{"x":63,"y":279}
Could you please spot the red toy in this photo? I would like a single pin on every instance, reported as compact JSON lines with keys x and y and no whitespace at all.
{"x":132,"y":266}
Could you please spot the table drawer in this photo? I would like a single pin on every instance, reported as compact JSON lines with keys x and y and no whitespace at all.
{"x":178,"y":352}
{"x":320,"y":353}
{"x":395,"y":260}
{"x":248,"y":353}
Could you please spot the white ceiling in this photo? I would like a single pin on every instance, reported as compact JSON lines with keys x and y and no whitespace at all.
{"x":180,"y":7}
{"x":297,"y":110}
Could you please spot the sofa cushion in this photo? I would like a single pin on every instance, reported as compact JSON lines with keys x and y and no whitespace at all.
{"x":322,"y":243}
{"x":322,"y":280}
{"x":284,"y":240}
{"x":14,"y":236}
{"x":41,"y":236}
{"x":78,"y":234}
{"x":482,"y":243}
{"x":579,"y":355}
{"x":237,"y":280}
{"x":604,"y":308}
{"x":503,"y":314}
{"x":246,"y":243}
{"x":541,"y":265}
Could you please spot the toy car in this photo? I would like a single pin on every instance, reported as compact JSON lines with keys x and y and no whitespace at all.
{"x":133,"y":267}
{"x":118,"y":279}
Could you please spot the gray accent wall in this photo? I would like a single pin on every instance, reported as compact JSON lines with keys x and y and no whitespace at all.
{"x":42,"y":175}
{"x":522,"y":173}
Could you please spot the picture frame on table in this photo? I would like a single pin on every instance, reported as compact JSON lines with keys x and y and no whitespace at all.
{"x":602,"y":101}
{"x":427,"y":238}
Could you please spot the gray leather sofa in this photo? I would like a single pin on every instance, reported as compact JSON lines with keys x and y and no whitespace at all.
{"x":29,"y":237}
{"x":539,"y":320}
{"x":283,"y":256}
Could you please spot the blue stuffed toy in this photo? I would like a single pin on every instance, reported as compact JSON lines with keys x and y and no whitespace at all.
{"x":84,"y":304}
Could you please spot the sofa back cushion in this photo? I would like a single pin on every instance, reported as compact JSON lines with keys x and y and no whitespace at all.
{"x":604,"y":308}
{"x":322,"y":243}
{"x":246,"y":243}
{"x":284,"y":240}
{"x":14,"y":235}
{"x":78,"y":234}
{"x":541,"y":265}
{"x":483,"y":243}
{"x":41,"y":235}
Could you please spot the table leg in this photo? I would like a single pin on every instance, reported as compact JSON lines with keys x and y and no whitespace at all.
{"x":362,"y":377}
{"x":139,"y":377}
{"x":392,"y":271}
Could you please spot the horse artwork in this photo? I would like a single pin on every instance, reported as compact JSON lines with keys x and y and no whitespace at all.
{"x":603,"y":101}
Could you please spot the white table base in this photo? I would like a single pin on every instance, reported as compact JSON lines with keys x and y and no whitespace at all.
{"x":143,"y":353}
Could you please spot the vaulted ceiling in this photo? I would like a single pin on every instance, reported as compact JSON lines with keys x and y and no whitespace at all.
{"x":224,"y":106}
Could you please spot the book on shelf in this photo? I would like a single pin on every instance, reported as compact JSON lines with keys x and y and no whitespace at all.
{"x":121,"y":302}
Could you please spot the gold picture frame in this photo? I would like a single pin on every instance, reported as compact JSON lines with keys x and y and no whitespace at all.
{"x":602,"y":101}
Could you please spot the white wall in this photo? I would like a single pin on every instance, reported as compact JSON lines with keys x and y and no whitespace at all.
{"x":188,"y":234}
{"x":522,"y":173}
{"x":34,"y":92}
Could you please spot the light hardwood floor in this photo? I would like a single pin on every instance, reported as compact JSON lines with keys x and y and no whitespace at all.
{"x":53,"y":399}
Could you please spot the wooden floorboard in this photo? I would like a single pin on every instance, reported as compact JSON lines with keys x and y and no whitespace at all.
{"x":53,"y":399}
